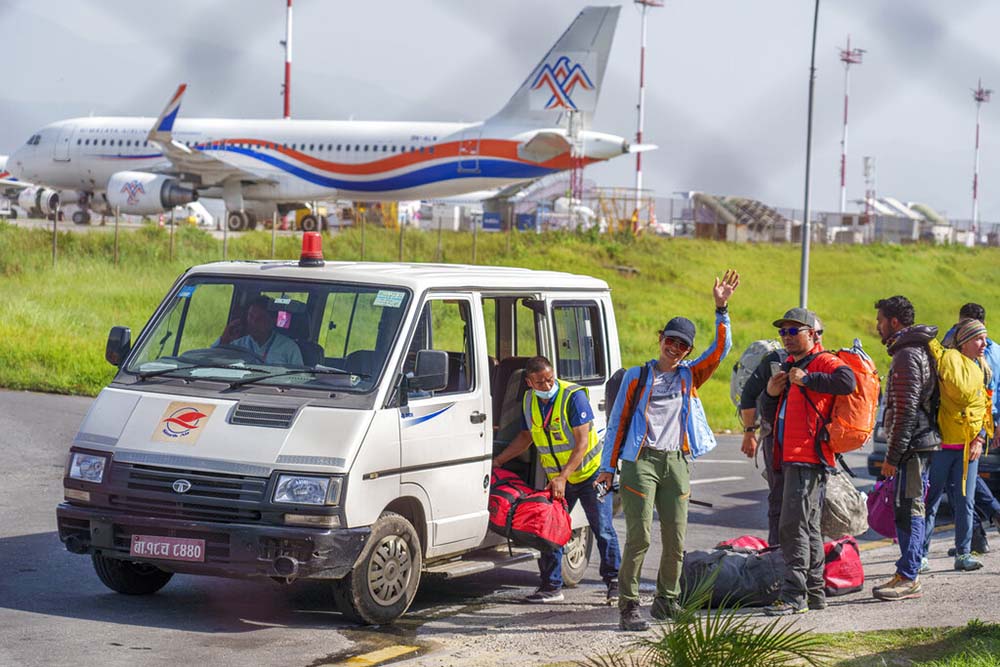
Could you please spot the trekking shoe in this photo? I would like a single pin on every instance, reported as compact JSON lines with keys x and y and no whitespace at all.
{"x":895,"y":579}
{"x":925,"y":566}
{"x":967,"y":563}
{"x":782,"y":608}
{"x":900,"y":588}
{"x":612,"y":592}
{"x":545,"y":595}
{"x":817,"y":603}
{"x":631,"y":620}
{"x":665,"y":609}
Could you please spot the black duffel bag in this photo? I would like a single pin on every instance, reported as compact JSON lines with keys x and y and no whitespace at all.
{"x":744,"y":577}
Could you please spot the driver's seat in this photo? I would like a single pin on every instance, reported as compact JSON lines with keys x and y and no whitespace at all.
{"x":298,"y":330}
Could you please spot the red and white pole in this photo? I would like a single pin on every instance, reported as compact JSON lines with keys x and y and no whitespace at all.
{"x":646,"y":4}
{"x":849,"y":57}
{"x":980,"y":95}
{"x":288,"y":60}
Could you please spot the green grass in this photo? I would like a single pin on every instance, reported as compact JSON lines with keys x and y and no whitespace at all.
{"x":974,"y":645}
{"x":54,"y":320}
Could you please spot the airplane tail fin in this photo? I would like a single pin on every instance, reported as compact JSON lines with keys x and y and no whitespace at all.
{"x":569,"y":77}
{"x":164,"y":125}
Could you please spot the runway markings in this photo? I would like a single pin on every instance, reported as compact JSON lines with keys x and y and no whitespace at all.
{"x":710,"y":480}
{"x":380,"y":656}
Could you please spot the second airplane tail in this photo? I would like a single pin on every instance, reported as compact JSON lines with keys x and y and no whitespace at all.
{"x":569,"y":77}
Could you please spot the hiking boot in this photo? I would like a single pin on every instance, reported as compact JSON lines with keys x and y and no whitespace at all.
{"x":817,"y":603}
{"x":925,"y":566}
{"x":545,"y":595}
{"x":612,"y":592}
{"x":782,"y":608}
{"x":631,"y":620}
{"x":900,"y":588}
{"x":967,"y":563}
{"x":895,"y":579}
{"x":665,"y":609}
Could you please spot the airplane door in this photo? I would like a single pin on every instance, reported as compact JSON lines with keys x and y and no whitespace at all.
{"x":61,"y":149}
{"x":468,"y":150}
{"x":445,"y":450}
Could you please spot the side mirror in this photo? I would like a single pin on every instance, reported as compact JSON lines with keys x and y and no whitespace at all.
{"x":119,"y":344}
{"x":431,"y":371}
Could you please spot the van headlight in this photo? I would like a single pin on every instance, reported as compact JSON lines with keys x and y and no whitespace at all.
{"x":87,"y":467}
{"x":307,"y":490}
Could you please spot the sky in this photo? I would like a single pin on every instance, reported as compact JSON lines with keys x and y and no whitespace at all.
{"x":727,"y":80}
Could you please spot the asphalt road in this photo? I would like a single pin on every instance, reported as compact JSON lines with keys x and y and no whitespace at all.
{"x":54,"y":611}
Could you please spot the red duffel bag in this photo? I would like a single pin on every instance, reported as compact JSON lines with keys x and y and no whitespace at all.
{"x":842,"y":570}
{"x":527,"y":517}
{"x":744,"y":542}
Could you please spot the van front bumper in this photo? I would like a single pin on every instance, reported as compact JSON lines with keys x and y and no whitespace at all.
{"x":231,"y":550}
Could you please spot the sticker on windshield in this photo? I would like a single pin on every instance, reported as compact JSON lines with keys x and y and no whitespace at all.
{"x":186,"y":292}
{"x":284,"y":319}
{"x":283,"y":301}
{"x":389,"y":298}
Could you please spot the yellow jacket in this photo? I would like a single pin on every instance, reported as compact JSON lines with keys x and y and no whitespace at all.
{"x":966,"y":405}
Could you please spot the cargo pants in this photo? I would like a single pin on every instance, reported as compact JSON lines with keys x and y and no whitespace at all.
{"x":661,"y":481}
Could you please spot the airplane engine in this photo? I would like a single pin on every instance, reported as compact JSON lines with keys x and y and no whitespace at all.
{"x":38,"y":201}
{"x":142,"y":193}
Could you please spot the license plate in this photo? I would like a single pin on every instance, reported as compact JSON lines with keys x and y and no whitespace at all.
{"x":168,"y":548}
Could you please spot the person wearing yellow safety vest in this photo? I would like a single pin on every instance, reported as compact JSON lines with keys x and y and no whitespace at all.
{"x":558,"y":420}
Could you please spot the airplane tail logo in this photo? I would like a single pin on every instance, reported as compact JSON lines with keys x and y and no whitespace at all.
{"x":556,"y":84}
{"x":133,"y":189}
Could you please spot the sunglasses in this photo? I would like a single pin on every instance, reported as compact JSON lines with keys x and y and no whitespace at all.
{"x":677,"y":343}
{"x":792,"y":331}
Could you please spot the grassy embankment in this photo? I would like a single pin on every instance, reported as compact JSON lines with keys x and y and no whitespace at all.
{"x":54,"y":320}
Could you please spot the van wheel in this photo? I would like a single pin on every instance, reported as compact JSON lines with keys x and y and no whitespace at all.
{"x":576,"y":556}
{"x":128,"y":577}
{"x":383,"y":582}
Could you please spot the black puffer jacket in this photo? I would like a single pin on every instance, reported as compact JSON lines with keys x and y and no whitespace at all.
{"x":909,"y":416}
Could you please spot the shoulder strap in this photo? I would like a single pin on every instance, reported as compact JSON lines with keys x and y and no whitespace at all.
{"x":636,"y":394}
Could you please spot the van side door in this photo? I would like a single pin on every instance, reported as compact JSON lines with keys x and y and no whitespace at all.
{"x":445,"y":450}
{"x":582,"y":349}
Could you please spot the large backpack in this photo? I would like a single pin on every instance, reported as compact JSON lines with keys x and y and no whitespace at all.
{"x":527,"y":517}
{"x":852,"y":418}
{"x":747,"y":364}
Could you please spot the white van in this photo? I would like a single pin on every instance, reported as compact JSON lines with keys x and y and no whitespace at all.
{"x":354,"y":444}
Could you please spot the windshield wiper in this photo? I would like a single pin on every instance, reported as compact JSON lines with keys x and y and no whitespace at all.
{"x":319,"y":371}
{"x":164,"y":371}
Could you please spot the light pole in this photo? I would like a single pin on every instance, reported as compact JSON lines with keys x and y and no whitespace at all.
{"x":849,"y":57}
{"x":806,"y":227}
{"x":980,"y":95}
{"x":646,"y":4}
{"x":287,"y":43}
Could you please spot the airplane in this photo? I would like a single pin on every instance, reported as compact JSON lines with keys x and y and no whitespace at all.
{"x":144,"y":166}
{"x":35,"y":200}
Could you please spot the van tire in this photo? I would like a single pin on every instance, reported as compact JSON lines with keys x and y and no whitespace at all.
{"x":384,"y":580}
{"x":576,"y":556}
{"x":129,"y":577}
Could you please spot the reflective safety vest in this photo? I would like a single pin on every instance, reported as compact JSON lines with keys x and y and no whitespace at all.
{"x":553,"y":436}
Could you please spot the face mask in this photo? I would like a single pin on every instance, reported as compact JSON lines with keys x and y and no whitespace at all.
{"x":547,"y":395}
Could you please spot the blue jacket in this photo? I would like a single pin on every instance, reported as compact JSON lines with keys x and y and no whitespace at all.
{"x":626,"y":443}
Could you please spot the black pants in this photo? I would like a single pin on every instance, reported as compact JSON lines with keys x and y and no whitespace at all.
{"x":799,"y":531}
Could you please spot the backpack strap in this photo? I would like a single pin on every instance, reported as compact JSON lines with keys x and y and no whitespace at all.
{"x":636,"y":394}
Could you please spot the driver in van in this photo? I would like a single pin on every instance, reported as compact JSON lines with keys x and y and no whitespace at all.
{"x":255,"y":333}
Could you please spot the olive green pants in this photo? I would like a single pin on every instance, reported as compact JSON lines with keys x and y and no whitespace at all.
{"x":660,"y":481}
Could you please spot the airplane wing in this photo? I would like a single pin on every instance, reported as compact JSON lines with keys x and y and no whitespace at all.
{"x":193,"y":164}
{"x":9,"y":184}
{"x":543,"y":146}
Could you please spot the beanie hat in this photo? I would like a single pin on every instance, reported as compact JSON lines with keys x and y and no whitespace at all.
{"x":968,"y":329}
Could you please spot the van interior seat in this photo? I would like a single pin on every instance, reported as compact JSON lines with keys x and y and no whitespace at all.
{"x":500,"y":381}
{"x":361,"y":362}
{"x":509,"y":420}
{"x":298,"y":330}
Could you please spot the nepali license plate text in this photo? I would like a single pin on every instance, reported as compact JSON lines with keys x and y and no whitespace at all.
{"x":168,"y":548}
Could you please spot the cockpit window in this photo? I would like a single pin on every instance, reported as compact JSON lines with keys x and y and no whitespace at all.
{"x":35,"y":140}
{"x":323,"y":336}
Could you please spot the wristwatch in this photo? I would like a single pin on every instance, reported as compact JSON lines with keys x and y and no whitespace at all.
{"x":751,"y":429}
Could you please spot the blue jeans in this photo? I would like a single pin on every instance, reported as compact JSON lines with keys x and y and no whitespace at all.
{"x":599,"y":514}
{"x":910,"y":512}
{"x":946,"y":471}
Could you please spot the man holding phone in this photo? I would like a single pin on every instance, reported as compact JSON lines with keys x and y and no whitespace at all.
{"x":255,"y":333}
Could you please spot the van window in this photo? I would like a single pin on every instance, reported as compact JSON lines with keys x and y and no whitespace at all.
{"x":446,"y":325}
{"x":580,"y":348}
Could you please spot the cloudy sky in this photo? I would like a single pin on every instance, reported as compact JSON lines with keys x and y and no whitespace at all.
{"x":726,"y":98}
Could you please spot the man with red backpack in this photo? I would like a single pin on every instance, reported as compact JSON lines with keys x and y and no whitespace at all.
{"x":910,"y":421}
{"x":801,"y":402}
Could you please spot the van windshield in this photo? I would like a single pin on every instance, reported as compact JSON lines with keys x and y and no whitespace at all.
{"x":326,"y":336}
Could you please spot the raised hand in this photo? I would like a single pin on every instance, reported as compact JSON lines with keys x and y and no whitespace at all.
{"x":725,"y":287}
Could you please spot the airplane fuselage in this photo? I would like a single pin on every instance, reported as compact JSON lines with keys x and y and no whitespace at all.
{"x":302,"y":160}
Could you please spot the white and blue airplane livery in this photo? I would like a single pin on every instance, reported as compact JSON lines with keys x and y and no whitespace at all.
{"x":145,"y":166}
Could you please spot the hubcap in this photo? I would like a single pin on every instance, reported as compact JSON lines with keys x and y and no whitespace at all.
{"x":389,"y":570}
{"x":576,"y":548}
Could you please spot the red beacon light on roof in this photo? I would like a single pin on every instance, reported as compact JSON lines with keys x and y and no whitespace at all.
{"x":312,"y":250}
